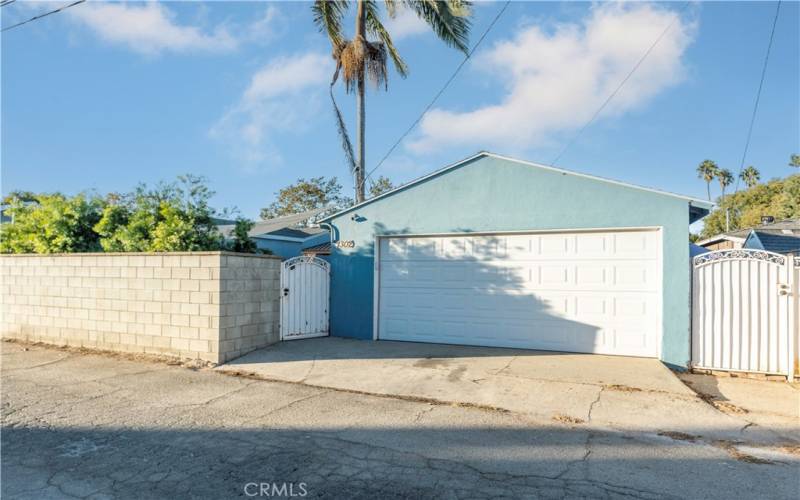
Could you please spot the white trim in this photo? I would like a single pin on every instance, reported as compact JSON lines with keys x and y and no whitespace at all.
{"x":735,"y":239}
{"x":659,"y":258}
{"x":266,"y":236}
{"x":700,"y":203}
{"x":376,"y":284}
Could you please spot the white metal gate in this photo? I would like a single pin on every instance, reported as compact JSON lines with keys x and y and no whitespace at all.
{"x":744,"y":311}
{"x":305,"y":285}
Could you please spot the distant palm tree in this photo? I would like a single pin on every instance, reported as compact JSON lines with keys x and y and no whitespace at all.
{"x":794,"y":161}
{"x":750,"y":176}
{"x":359,"y":58}
{"x":725,"y":178}
{"x":707,"y":171}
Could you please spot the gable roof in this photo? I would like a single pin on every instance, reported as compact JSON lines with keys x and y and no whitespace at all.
{"x":283,"y":227}
{"x":702,"y":207}
{"x":779,"y":227}
{"x":771,"y":242}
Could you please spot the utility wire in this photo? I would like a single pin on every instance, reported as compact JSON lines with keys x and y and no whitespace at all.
{"x":438,"y":94}
{"x":621,"y":84}
{"x":758,"y":96}
{"x":6,"y":2}
{"x":34,"y":18}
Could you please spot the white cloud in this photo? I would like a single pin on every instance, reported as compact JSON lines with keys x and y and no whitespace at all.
{"x":269,"y":26}
{"x":405,"y":24}
{"x":555,"y":81}
{"x":283,"y":97}
{"x":149,"y":28}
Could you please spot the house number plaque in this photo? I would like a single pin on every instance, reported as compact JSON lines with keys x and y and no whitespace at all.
{"x":346,"y":244}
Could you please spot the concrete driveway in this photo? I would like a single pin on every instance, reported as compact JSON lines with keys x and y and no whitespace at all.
{"x":634,"y":394}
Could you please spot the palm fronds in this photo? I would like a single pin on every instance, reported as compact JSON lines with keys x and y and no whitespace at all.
{"x":376,"y":28}
{"x":449,"y":19}
{"x":328,"y":15}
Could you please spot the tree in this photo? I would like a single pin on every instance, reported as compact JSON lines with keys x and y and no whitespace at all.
{"x":241,"y":241}
{"x":172,"y":217}
{"x":794,"y":161}
{"x":379,"y":186}
{"x":359,"y":58}
{"x":779,"y":198}
{"x":725,"y":178}
{"x":51,"y":223}
{"x":750,"y":176}
{"x":304,"y":195}
{"x":707,"y":170}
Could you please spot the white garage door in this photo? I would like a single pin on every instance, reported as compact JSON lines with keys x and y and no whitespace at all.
{"x":594,"y":292}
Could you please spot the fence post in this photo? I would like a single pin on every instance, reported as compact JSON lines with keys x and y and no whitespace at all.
{"x":792,"y":301}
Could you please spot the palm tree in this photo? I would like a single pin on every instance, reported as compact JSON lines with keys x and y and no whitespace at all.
{"x":725,"y":178}
{"x":707,"y":170}
{"x":359,"y":58}
{"x":750,"y":176}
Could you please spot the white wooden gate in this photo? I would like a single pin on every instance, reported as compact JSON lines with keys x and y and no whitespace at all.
{"x":305,"y":285}
{"x":744,"y":311}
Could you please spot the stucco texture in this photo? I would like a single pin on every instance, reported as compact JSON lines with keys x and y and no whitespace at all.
{"x":490,"y":194}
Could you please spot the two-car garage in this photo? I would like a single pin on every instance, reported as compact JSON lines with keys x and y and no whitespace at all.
{"x":495,"y":251}
{"x":587,"y":291}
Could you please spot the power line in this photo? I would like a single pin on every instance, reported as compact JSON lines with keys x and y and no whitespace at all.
{"x":34,"y":18}
{"x":621,"y":84}
{"x":758,"y":95}
{"x":438,"y":94}
{"x":6,"y":2}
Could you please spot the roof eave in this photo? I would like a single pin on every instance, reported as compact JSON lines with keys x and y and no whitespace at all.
{"x":693,"y":202}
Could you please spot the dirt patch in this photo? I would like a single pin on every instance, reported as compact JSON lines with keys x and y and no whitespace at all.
{"x":435,"y":363}
{"x":567,"y":419}
{"x":622,"y":388}
{"x":679,"y":436}
{"x":720,"y":405}
{"x":192,"y":364}
{"x":791,"y":449}
{"x":739,"y":455}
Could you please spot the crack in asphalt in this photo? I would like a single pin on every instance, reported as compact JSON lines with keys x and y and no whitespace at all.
{"x":591,"y":406}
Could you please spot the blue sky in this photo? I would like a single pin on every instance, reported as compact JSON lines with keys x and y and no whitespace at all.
{"x":105,"y":95}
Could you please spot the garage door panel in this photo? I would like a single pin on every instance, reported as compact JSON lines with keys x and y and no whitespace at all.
{"x":583,"y":292}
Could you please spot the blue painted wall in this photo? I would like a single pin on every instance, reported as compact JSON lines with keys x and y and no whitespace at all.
{"x":283,"y":249}
{"x":492,"y":194}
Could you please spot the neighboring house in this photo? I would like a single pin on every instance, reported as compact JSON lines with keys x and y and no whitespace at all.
{"x":771,"y":242}
{"x":495,"y":251}
{"x":736,"y":239}
{"x":284,"y":236}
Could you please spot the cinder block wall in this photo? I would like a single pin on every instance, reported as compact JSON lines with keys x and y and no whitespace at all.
{"x":209,"y":305}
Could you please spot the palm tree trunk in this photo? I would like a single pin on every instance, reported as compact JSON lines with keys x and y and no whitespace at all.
{"x":360,"y":110}
{"x":708,"y":190}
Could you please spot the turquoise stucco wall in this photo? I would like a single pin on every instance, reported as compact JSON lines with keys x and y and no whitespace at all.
{"x":492,"y":194}
{"x":283,"y":249}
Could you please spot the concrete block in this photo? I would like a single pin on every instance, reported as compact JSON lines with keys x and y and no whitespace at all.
{"x":199,"y":321}
{"x":179,"y":319}
{"x":198,"y":345}
{"x":200,"y":273}
{"x":190,"y":261}
{"x":153,"y":261}
{"x":181,"y":273}
{"x":191,"y":309}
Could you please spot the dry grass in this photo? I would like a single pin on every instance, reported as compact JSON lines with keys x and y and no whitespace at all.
{"x":567,"y":419}
{"x":190,"y":363}
{"x":679,"y":436}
